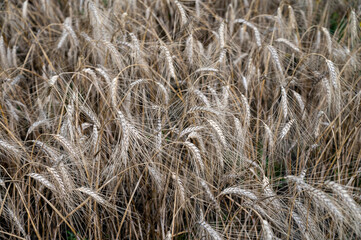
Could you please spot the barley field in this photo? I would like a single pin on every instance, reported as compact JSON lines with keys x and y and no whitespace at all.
{"x":188,"y":119}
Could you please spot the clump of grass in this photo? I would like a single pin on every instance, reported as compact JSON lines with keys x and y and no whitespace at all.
{"x":180,"y":120}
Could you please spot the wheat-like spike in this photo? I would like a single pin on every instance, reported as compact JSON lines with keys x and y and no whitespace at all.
{"x":209,"y":193}
{"x":301,"y":225}
{"x":198,"y":9}
{"x":240,"y":192}
{"x":213,"y":233}
{"x":292,"y":17}
{"x":114,"y":52}
{"x":328,"y":91}
{"x":269,"y":135}
{"x":70,"y":111}
{"x":255,"y":207}
{"x":68,"y":27}
{"x":222,"y":55}
{"x":90,"y":72}
{"x":328,"y":39}
{"x":268,"y":233}
{"x":275,"y":58}
{"x":225,"y":95}
{"x":67,"y":145}
{"x":318,"y":195}
{"x":190,"y":130}
{"x":126,"y":126}
{"x":35,"y":125}
{"x":197,"y":154}
{"x":47,"y":149}
{"x":9,"y":147}
{"x":16,"y":220}
{"x":189,"y":48}
{"x":104,"y":74}
{"x":40,"y":178}
{"x":346,"y":197}
{"x":253,"y":27}
{"x":271,"y":194}
{"x":3,"y":53}
{"x":219,"y":132}
{"x":63,"y":37}
{"x":279,"y":18}
{"x":284,"y":102}
{"x":201,"y":96}
{"x":219,"y":150}
{"x":9,"y":56}
{"x":245,"y":83}
{"x":90,"y":114}
{"x":53,"y":80}
{"x":86,"y":37}
{"x":125,"y":129}
{"x":164,"y":91}
{"x":57,"y":177}
{"x":14,"y":58}
{"x":353,"y":25}
{"x":247,"y":108}
{"x":89,"y":40}
{"x":215,"y":96}
{"x":310,"y":224}
{"x":317,"y":127}
{"x":95,"y":137}
{"x":303,"y":174}
{"x":16,"y":79}
{"x":216,"y":35}
{"x":157,"y":177}
{"x":299,"y":100}
{"x":25,"y":9}
{"x":2,"y":184}
{"x":230,"y":16}
{"x":168,"y":236}
{"x":93,"y":194}
{"x":66,"y":128}
{"x":138,"y":52}
{"x":221,"y":35}
{"x":288,"y":43}
{"x":136,"y":44}
{"x":86,"y":125}
{"x":169,"y":60}
{"x":182,"y":12}
{"x":137,"y":82}
{"x":239,"y":128}
{"x":197,"y":136}
{"x":113,"y":91}
{"x":12,"y":110}
{"x":94,"y":11}
{"x":180,"y":186}
{"x":201,"y":48}
{"x":206,"y":69}
{"x":333,"y":73}
{"x":65,"y":176}
{"x":147,"y":13}
{"x":286,"y":129}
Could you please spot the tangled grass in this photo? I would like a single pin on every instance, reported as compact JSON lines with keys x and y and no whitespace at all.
{"x":169,"y":119}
